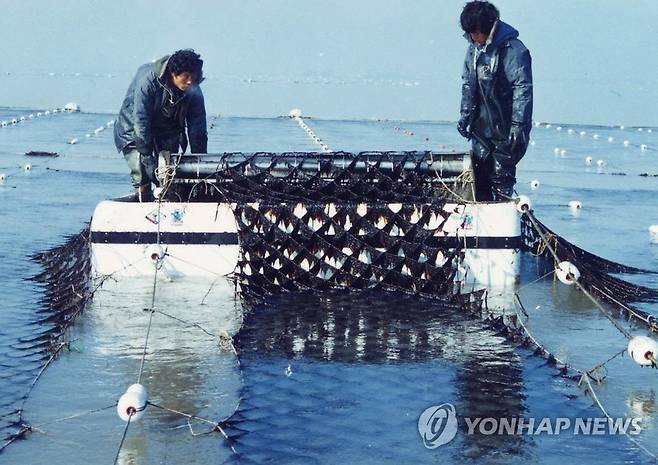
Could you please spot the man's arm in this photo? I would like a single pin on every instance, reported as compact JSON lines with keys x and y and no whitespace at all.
{"x":197,"y":130}
{"x":518,"y":68}
{"x":143,"y":103}
{"x":468,"y":101}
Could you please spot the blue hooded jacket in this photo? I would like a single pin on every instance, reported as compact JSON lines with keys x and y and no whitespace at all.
{"x":497,"y":84}
{"x":154,"y":117}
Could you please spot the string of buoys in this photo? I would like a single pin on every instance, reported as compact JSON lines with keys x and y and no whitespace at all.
{"x":296,"y":114}
{"x":596,"y":136}
{"x":70,"y":107}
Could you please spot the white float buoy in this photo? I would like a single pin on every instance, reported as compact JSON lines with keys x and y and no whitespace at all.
{"x":534,"y":184}
{"x":295,"y":113}
{"x":643,"y":350}
{"x":644,"y":147}
{"x":595,"y":136}
{"x":563,"y":152}
{"x":532,"y":142}
{"x":87,"y":135}
{"x":27,"y":167}
{"x":640,"y":129}
{"x":31,"y":115}
{"x":22,"y":118}
{"x":582,"y":133}
{"x":98,"y":130}
{"x":71,"y":107}
{"x":4,"y":124}
{"x":611,"y":139}
{"x":548,"y":125}
{"x":556,"y":150}
{"x":575,"y":204}
{"x":653,"y":230}
{"x":523,"y":203}
{"x":622,"y":127}
{"x":559,"y":128}
{"x":74,"y":141}
{"x":567,"y":273}
{"x":537,"y":124}
{"x":154,"y":252}
{"x":14,"y":121}
{"x":39,"y":114}
{"x":3,"y":176}
{"x":627,"y":143}
{"x":600,"y":163}
{"x":132,"y":403}
{"x":570,"y":131}
{"x":588,"y":161}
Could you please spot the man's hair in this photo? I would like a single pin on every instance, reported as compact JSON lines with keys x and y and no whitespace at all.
{"x":479,"y":16}
{"x":186,"y":60}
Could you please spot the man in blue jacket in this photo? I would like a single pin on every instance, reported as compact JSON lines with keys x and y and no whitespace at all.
{"x":163,"y":107}
{"x":496,"y":105}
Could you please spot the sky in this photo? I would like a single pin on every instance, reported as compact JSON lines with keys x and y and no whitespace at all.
{"x":592,"y":59}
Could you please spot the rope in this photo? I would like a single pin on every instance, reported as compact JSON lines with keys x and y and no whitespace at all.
{"x":553,"y":252}
{"x":123,"y":438}
{"x":217,"y":426}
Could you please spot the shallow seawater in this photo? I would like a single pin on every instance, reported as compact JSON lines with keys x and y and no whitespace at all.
{"x":322,"y":379}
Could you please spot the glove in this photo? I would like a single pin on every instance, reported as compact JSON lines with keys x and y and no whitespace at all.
{"x":518,"y":138}
{"x":462,"y":127}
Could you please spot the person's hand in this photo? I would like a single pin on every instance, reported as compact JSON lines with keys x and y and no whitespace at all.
{"x":518,"y":138}
{"x":462,"y":127}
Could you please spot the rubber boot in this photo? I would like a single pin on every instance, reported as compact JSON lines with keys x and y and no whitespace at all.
{"x":144,"y":193}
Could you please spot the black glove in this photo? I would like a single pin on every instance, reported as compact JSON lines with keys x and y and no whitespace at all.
{"x":462,"y":127}
{"x":518,"y":138}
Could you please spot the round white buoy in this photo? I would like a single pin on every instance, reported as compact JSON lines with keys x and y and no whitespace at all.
{"x":644,"y":147}
{"x":55,"y":110}
{"x":575,"y":205}
{"x":295,"y":113}
{"x":3,"y":124}
{"x":582,"y":133}
{"x":39,"y":113}
{"x":47,"y":112}
{"x":154,"y":252}
{"x":588,"y":161}
{"x":537,"y":124}
{"x":548,"y":125}
{"x":523,"y":203}
{"x":3,"y":176}
{"x":14,"y":121}
{"x":22,"y":118}
{"x":532,"y":142}
{"x":27,"y":167}
{"x":87,"y":135}
{"x":567,"y":273}
{"x":563,"y":152}
{"x":132,"y":403}
{"x":595,"y":136}
{"x":73,"y":141}
{"x":611,"y":139}
{"x":653,"y":230}
{"x":649,"y":130}
{"x":534,"y":184}
{"x":570,"y":131}
{"x":622,"y":127}
{"x":559,"y":128}
{"x":31,"y":116}
{"x":640,"y":129}
{"x":556,"y":150}
{"x":600,"y":163}
{"x":643,"y":350}
{"x":627,"y":143}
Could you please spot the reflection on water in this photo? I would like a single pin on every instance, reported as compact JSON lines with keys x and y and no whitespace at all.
{"x":185,"y":370}
{"x":369,"y":363}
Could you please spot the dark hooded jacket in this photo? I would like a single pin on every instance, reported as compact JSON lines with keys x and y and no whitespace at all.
{"x":497,"y":84}
{"x":154,"y":117}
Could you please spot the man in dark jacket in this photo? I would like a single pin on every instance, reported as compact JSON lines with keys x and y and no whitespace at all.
{"x":496,"y":105}
{"x":163,"y":101}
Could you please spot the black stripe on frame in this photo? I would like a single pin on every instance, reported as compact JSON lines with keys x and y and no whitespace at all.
{"x":228,"y":238}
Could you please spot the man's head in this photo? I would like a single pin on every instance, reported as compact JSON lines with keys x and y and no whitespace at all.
{"x":185,"y":68}
{"x":477,"y":19}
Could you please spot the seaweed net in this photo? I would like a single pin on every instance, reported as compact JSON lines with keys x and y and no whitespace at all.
{"x":597,"y":273}
{"x":406,"y":177}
